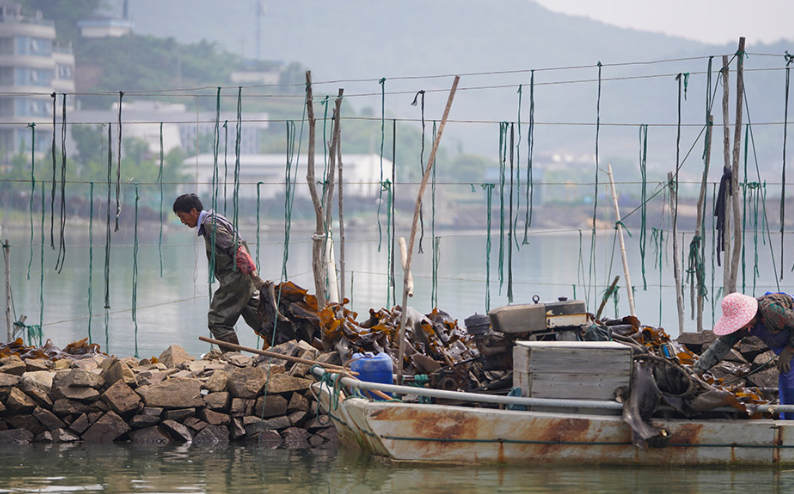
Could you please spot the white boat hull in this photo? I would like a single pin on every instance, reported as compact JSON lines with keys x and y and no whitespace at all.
{"x":457,"y":434}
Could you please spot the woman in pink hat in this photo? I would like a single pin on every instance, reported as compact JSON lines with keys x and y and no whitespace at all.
{"x":770,"y":318}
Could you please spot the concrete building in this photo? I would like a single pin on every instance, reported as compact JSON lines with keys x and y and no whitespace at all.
{"x":32,"y":66}
{"x":362,"y":174}
{"x":105,"y":27}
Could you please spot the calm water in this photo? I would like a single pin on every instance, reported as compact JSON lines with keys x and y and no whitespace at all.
{"x":121,"y":468}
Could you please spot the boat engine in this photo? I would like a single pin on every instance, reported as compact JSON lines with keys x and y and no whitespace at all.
{"x":495,"y":334}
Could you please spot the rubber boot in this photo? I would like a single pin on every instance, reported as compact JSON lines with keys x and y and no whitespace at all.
{"x":229,"y":338}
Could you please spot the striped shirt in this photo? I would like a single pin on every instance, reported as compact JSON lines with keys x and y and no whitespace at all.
{"x":226,"y":237}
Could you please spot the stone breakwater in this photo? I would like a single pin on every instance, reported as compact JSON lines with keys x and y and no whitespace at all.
{"x":174,"y":398}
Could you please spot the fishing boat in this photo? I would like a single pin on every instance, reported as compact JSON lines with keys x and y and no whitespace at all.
{"x":572,"y":432}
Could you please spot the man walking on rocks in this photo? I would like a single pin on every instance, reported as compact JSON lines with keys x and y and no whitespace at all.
{"x":231,"y":262}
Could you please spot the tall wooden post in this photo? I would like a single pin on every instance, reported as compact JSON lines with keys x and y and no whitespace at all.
{"x":726,"y":155}
{"x":679,"y":292}
{"x":9,"y":303}
{"x":699,"y":222}
{"x":738,"y":235}
{"x":629,"y":291}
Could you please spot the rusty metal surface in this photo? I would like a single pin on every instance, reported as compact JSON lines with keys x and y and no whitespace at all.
{"x":436,"y":433}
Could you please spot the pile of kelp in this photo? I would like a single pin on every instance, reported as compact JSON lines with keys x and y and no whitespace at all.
{"x":432,"y":341}
{"x":75,"y":350}
{"x":663,"y":375}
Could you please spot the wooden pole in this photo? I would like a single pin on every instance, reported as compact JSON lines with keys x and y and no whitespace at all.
{"x":318,"y":252}
{"x":332,"y":294}
{"x":622,"y":244}
{"x":9,"y":303}
{"x":606,"y":297}
{"x":738,"y":235}
{"x":726,"y":154}
{"x":679,"y":292}
{"x":407,"y":281}
{"x":341,"y":225}
{"x":699,"y":221}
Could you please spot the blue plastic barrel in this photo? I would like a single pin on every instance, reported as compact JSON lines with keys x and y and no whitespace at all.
{"x":372,"y":368}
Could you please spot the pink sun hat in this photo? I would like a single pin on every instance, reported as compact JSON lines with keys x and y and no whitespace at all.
{"x":737,"y":310}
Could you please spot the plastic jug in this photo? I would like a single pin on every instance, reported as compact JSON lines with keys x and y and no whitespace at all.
{"x":372,"y":368}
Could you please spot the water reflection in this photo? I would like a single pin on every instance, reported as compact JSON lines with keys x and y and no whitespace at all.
{"x":126,"y":468}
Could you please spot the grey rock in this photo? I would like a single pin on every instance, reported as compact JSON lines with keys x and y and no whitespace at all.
{"x":9,"y":380}
{"x":283,"y":383}
{"x":48,"y":419}
{"x":179,"y":414}
{"x":297,"y":418}
{"x":121,"y":399}
{"x":37,"y":379}
{"x":318,"y":423}
{"x":142,"y":421}
{"x":268,"y":439}
{"x":241,"y":407}
{"x":37,"y":364}
{"x":79,"y":393}
{"x":16,"y":436}
{"x":271,"y":405}
{"x":80,"y":424}
{"x":25,"y":421}
{"x":107,"y":429}
{"x":217,"y":381}
{"x":246,"y":382}
{"x":156,"y":411}
{"x":236,"y":428}
{"x":214,"y":418}
{"x":697,"y":342}
{"x":18,"y":402}
{"x":12,"y":365}
{"x":212,"y":435}
{"x":177,"y":431}
{"x":296,"y":438}
{"x":79,"y":378}
{"x":217,"y":401}
{"x":330,"y":358}
{"x":62,"y":407}
{"x":195,"y":423}
{"x":64,"y":436}
{"x":173,"y":356}
{"x":149,"y":377}
{"x":316,"y":440}
{"x":298,"y":403}
{"x":150,"y":435}
{"x":237,"y":359}
{"x":118,"y":370}
{"x":173,"y":393}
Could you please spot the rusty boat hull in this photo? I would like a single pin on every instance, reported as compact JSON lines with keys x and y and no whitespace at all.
{"x":459,"y":434}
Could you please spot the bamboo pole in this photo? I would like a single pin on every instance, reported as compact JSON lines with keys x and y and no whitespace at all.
{"x":622,"y":243}
{"x":318,"y":253}
{"x":738,"y":235}
{"x":726,"y":155}
{"x":409,"y":249}
{"x":699,"y":222}
{"x":606,"y":297}
{"x":679,"y":292}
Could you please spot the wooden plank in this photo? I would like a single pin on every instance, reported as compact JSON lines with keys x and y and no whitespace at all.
{"x":576,"y":386}
{"x":574,"y":360}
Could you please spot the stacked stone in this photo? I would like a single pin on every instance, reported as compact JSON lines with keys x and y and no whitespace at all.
{"x":214,"y":400}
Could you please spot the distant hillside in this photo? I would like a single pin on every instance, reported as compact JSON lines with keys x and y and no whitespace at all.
{"x":362,"y":39}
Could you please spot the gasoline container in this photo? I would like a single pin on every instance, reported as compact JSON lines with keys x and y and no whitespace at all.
{"x":372,"y":368}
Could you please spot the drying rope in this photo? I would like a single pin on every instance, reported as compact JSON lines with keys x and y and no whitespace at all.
{"x":290,"y":181}
{"x":433,"y":212}
{"x":502,"y":162}
{"x":789,"y":59}
{"x":530,"y":148}
{"x":436,"y":260}
{"x":382,"y":83}
{"x":713,"y":240}
{"x":160,"y":181}
{"x":643,"y":199}
{"x":421,"y":168}
{"x":32,"y":127}
{"x":514,"y":221}
{"x":54,"y":169}
{"x":393,"y":226}
{"x":592,"y":269}
{"x":258,"y":202}
{"x":236,"y":194}
{"x":107,"y":238}
{"x":61,"y":240}
{"x":118,"y":168}
{"x":135,"y":273}
{"x":489,"y":201}
{"x":216,"y":138}
{"x":90,"y":261}
{"x":41,"y":273}
{"x":225,"y":162}
{"x":510,"y":225}
{"x":657,"y":236}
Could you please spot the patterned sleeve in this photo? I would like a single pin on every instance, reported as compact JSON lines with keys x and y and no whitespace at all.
{"x":224,"y":238}
{"x":777,"y":311}
{"x":718,"y":350}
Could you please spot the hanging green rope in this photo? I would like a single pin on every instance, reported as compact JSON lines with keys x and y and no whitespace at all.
{"x":393,"y":224}
{"x":789,"y":59}
{"x":745,"y":188}
{"x":135,"y":273}
{"x":489,"y":201}
{"x":32,"y":127}
{"x":530,"y":148}
{"x":713,"y":250}
{"x":54,"y":170}
{"x":289,"y":194}
{"x":510,"y":225}
{"x":421,"y":167}
{"x":118,"y":168}
{"x":225,"y":162}
{"x":160,"y":182}
{"x":41,"y":274}
{"x":592,"y":270}
{"x":696,"y":270}
{"x":657,"y":237}
{"x":236,"y":196}
{"x":382,"y":83}
{"x":90,"y":260}
{"x":514,"y":223}
{"x":107,"y":242}
{"x":62,"y":239}
{"x":258,"y":199}
{"x":503,"y":126}
{"x":433,"y":214}
{"x":386,"y":187}
{"x":643,"y":199}
{"x":325,"y":105}
{"x":216,"y":139}
{"x":436,"y":260}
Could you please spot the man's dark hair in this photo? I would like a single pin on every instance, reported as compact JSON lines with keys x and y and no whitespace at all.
{"x":186,"y":202}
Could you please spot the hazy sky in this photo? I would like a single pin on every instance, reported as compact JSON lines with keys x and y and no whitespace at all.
{"x":709,"y":21}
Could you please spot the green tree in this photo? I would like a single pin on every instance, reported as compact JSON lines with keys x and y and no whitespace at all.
{"x":65,"y":13}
